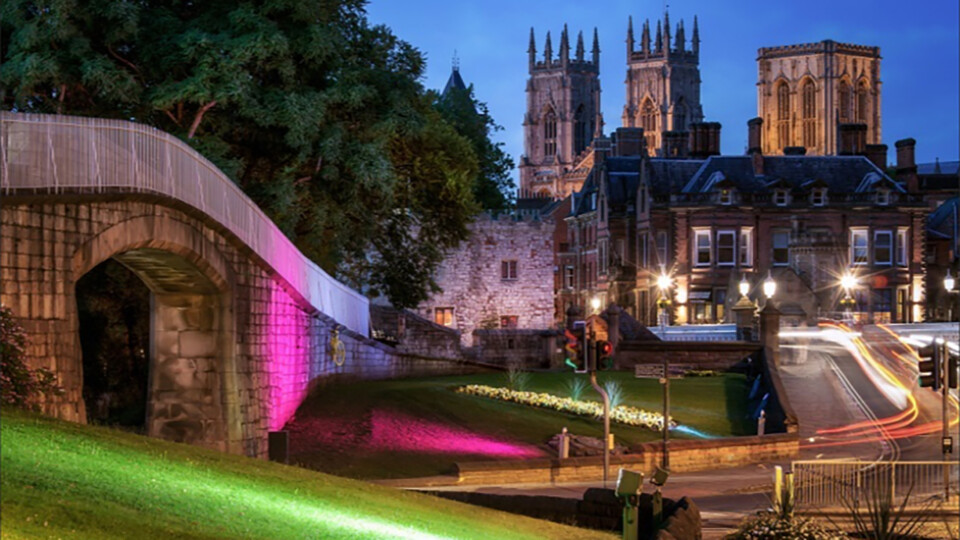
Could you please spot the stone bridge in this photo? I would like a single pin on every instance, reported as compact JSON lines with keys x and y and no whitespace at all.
{"x":241,"y":321}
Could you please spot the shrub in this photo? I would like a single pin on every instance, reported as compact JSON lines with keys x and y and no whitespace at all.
{"x":575,"y":387}
{"x":770,"y":525}
{"x":19,"y":385}
{"x":517,"y":378}
{"x":614,"y":392}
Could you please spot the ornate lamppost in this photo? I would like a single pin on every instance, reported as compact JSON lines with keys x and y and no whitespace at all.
{"x":848,"y":282}
{"x":664,"y":283}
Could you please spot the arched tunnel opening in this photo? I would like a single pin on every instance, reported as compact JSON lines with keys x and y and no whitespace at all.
{"x":113,"y":306}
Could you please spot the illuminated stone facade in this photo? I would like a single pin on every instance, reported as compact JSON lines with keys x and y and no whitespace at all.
{"x":806,"y":92}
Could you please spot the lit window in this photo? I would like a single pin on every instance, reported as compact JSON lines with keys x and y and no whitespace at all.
{"x":883,"y":247}
{"x":858,"y":246}
{"x":726,"y":196}
{"x":781,"y":248}
{"x":662,"y":248}
{"x":508,"y":270}
{"x":568,"y":277}
{"x":780,"y":197}
{"x":443,"y":316}
{"x":746,"y":247}
{"x":726,"y":248}
{"x":902,"y":247}
{"x":508,"y":321}
{"x":702,"y":247}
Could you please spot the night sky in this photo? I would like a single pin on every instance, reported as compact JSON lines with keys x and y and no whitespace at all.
{"x":918,"y":43}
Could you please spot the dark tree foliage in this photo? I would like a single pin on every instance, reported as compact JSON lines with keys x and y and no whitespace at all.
{"x":319,"y":116}
{"x":21,"y":386}
{"x":493,"y":188}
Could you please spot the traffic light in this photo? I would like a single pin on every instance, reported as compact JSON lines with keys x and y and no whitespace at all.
{"x":604,"y":355}
{"x":929,"y":366}
{"x":952,"y":371}
{"x":573,"y":349}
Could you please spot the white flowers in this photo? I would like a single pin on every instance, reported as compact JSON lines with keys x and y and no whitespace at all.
{"x":623,"y":414}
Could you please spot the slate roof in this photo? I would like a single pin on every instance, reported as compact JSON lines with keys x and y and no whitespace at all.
{"x":939,"y":167}
{"x":840,"y":174}
{"x":943,"y":222}
{"x":455,"y":82}
{"x":668,"y":176}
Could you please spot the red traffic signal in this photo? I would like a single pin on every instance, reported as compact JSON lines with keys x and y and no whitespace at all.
{"x":604,"y":355}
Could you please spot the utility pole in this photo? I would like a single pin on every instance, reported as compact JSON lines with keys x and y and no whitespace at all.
{"x":944,"y":354}
{"x":592,"y":367}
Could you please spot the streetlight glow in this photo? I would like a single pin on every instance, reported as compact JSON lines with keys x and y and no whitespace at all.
{"x":949,"y":282}
{"x":595,"y":303}
{"x":848,"y":281}
{"x":769,"y":286}
{"x":664,"y":282}
{"x":744,"y":286}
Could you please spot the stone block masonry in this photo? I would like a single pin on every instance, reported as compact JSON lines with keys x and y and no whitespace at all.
{"x":233,"y":349}
{"x":502,"y":276}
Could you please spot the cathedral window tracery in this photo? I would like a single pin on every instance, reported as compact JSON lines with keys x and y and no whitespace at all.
{"x":844,"y":101}
{"x":809,"y":115}
{"x":549,"y":133}
{"x":580,"y":134}
{"x":648,"y":118}
{"x":783,"y":114}
{"x":862,"y":102}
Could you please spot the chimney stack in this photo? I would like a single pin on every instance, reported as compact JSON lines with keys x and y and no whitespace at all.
{"x":675,"y":145}
{"x":754,"y":148}
{"x":853,"y":139}
{"x":602,"y":148}
{"x":704,"y":139}
{"x":628,"y":141}
{"x":877,"y":153}
{"x":907,"y":164}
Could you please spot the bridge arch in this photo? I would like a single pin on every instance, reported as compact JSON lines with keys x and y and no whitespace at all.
{"x":192,"y":389}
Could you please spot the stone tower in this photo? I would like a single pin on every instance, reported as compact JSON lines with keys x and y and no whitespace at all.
{"x":805,"y":93}
{"x":563,"y":115}
{"x":663,"y":83}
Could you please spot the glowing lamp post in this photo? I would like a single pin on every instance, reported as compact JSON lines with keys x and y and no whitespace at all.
{"x":744,"y":287}
{"x":663,"y":283}
{"x":948,"y":283}
{"x":769,"y":287}
{"x":595,"y":303}
{"x":848,"y":282}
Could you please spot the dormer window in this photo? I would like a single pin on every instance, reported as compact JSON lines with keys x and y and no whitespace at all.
{"x":780,"y":197}
{"x":726,"y":196}
{"x":818,"y":197}
{"x":883,"y":197}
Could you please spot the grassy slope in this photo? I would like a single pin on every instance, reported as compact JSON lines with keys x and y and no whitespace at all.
{"x":64,"y":480}
{"x":714,"y":405}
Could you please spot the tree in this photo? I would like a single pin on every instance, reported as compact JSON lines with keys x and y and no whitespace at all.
{"x":494,"y":187}
{"x":20,"y":386}
{"x":311,"y":110}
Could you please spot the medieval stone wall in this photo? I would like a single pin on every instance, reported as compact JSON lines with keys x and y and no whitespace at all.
{"x":472,"y":281}
{"x":234,"y":351}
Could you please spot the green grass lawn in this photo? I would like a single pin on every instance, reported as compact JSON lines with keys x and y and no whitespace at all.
{"x":63,"y":480}
{"x":350,"y":444}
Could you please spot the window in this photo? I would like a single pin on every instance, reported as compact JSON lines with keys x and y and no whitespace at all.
{"x":858,"y":246}
{"x":508,"y":321}
{"x":549,"y":133}
{"x":902,"y":246}
{"x":579,"y":131}
{"x":862,"y":102}
{"x":809,"y":115}
{"x":783,"y":114}
{"x":720,"y":301}
{"x":883,"y":247}
{"x":602,"y":254}
{"x":818,"y":197}
{"x":726,"y":196}
{"x":680,"y":116}
{"x":648,"y":121}
{"x":781,"y":248}
{"x":702,"y":247}
{"x":508,"y":270}
{"x":443,"y":316}
{"x":568,"y":277}
{"x":746,"y":247}
{"x":662,"y":248}
{"x":780,"y":197}
{"x":883,"y":197}
{"x":843,"y":103}
{"x":726,"y":248}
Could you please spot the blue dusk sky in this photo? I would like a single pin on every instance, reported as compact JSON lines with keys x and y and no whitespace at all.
{"x":918,"y":43}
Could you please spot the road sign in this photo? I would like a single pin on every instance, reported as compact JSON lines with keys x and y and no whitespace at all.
{"x":648,"y":371}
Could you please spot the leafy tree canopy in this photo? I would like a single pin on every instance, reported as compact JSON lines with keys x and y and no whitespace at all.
{"x":319,"y":116}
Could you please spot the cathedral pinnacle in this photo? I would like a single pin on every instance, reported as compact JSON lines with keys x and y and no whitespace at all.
{"x":695,"y":41}
{"x":681,"y":39}
{"x":532,"y":51}
{"x":580,"y":46}
{"x":629,"y":36}
{"x":596,"y":48}
{"x":659,"y":39}
{"x":564,"y":46}
{"x":645,"y":37}
{"x":548,"y":50}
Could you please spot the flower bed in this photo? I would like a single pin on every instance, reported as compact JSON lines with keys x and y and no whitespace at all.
{"x":631,"y":416}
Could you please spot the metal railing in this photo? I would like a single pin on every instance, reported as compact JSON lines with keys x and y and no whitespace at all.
{"x":52,"y":154}
{"x":822,"y":484}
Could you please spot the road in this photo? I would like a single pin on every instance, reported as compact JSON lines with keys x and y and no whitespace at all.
{"x":833,"y":381}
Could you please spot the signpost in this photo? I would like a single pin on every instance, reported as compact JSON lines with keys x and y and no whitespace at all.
{"x":662,"y":373}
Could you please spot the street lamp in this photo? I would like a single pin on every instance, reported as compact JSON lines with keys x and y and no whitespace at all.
{"x":744,"y":286}
{"x":848,"y":282}
{"x":595,"y":303}
{"x":664,"y":283}
{"x":769,"y":286}
{"x":949,"y":282}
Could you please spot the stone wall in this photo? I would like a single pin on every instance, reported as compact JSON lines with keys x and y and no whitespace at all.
{"x":697,"y":354}
{"x":685,"y":456}
{"x":473,"y":285}
{"x":234,"y":349}
{"x":531,"y":349}
{"x":411,"y":334}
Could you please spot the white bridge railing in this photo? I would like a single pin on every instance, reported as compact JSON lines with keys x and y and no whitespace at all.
{"x":822,"y":484}
{"x":51,"y":154}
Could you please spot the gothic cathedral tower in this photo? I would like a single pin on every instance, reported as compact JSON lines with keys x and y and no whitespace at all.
{"x":663,"y":83}
{"x":809,"y":94}
{"x":562,"y":118}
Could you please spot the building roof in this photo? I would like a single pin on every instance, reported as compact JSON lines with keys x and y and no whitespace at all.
{"x":939,"y":167}
{"x":668,"y":176}
{"x":943,"y":222}
{"x":455,"y":82}
{"x":839,"y":174}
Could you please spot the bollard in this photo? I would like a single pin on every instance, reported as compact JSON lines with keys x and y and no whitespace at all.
{"x":777,"y":488}
{"x":610,"y":443}
{"x":564,"y":447}
{"x":629,"y":486}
